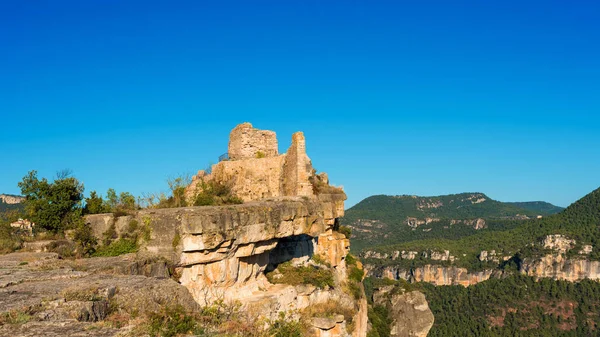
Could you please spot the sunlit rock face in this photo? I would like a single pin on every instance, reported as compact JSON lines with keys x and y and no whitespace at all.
{"x":410,"y":313}
{"x":222,"y":253}
{"x":434,"y":274}
{"x":255,"y":170}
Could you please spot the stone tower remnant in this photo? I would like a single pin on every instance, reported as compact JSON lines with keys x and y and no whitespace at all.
{"x":255,"y":170}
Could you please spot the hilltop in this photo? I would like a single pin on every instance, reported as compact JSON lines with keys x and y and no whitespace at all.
{"x":537,"y":277}
{"x":519,"y":240}
{"x":10,"y":202}
{"x":383,"y":219}
{"x":540,"y":207}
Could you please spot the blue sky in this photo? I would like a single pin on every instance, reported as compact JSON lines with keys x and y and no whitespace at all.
{"x":394,"y":97}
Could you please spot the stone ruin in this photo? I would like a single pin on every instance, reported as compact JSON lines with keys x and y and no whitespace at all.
{"x":255,"y":170}
{"x":222,"y":253}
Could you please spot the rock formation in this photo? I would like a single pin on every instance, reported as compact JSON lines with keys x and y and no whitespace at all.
{"x":434,"y":274}
{"x":410,"y":313}
{"x":256,"y":171}
{"x":222,"y":253}
{"x":557,"y":264}
{"x":11,"y":199}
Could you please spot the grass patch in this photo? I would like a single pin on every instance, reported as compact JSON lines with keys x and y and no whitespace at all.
{"x":15,"y":317}
{"x":176,"y":241}
{"x":116,"y":248}
{"x":347,"y":231}
{"x":81,"y":294}
{"x":282,"y":327}
{"x":286,"y":273}
{"x":211,"y":193}
{"x":173,"y":321}
{"x":318,"y":259}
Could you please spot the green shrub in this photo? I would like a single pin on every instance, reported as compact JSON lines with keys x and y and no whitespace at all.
{"x":147,"y":230}
{"x":318,"y":259}
{"x":84,"y":237}
{"x":351,"y":260}
{"x":109,"y":235}
{"x":284,"y":327}
{"x":173,"y":321}
{"x":286,"y":273}
{"x":16,"y":317}
{"x":347,"y":231}
{"x":9,"y":240}
{"x":54,"y":206}
{"x":116,"y":248}
{"x":355,"y":274}
{"x":380,"y":321}
{"x":176,"y":241}
{"x":68,"y":249}
{"x":212,"y":193}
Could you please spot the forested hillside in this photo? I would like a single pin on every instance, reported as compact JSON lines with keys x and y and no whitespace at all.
{"x":515,"y":306}
{"x":580,"y":221}
{"x":384,"y":220}
{"x":540,"y":207}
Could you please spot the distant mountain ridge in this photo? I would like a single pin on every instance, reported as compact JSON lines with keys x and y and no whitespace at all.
{"x":542,"y":207}
{"x":384,"y":219}
{"x":10,"y":202}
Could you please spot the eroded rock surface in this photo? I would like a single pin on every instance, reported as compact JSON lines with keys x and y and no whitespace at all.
{"x":256,"y":171}
{"x":56,"y":297}
{"x":410,"y":313}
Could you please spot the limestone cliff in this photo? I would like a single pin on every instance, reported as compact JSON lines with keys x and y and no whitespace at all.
{"x":409,"y":311}
{"x":434,"y":274}
{"x":223,"y":253}
{"x":11,"y":199}
{"x":558,"y":263}
{"x":560,"y":268}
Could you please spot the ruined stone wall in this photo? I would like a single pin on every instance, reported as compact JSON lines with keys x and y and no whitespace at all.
{"x":297,"y":169}
{"x":252,"y":178}
{"x":246,"y":142}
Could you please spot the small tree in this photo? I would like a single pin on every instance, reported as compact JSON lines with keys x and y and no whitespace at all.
{"x":95,"y":204}
{"x":53,"y":206}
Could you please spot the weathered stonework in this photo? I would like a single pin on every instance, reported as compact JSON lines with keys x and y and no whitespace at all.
{"x":246,"y":142}
{"x":411,"y":316}
{"x":266,"y":175}
{"x":223,"y":253}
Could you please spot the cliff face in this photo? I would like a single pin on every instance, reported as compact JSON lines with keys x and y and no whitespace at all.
{"x":434,"y":274}
{"x":11,"y":199}
{"x":555,"y":264}
{"x":410,"y":313}
{"x":560,"y":268}
{"x":223,"y":253}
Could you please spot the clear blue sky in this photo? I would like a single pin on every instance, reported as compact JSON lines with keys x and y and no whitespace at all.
{"x":394,"y":97}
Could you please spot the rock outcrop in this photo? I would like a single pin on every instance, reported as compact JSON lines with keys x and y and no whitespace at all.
{"x":434,"y":274}
{"x":222,"y":254}
{"x":410,"y":313}
{"x":11,"y":199}
{"x":256,"y":171}
{"x":556,"y":264}
{"x":560,"y":268}
{"x":58,"y":297}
